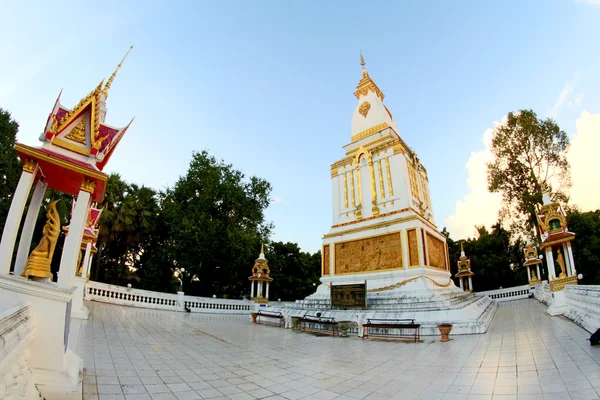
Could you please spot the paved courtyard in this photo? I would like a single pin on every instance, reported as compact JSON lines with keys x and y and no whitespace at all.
{"x":133,"y":353}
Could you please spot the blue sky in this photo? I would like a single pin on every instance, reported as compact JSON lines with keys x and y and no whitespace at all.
{"x":267,"y":85}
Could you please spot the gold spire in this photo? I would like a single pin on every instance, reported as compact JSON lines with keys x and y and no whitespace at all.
{"x":362,"y":60}
{"x":112,"y":77}
{"x":461,"y":248}
{"x":262,"y":248}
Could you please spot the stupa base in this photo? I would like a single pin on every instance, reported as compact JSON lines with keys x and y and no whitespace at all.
{"x":428,"y":296}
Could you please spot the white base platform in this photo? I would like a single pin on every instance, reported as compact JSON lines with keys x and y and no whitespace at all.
{"x":428,"y":296}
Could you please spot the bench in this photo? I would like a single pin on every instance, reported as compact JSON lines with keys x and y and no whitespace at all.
{"x":272,"y":315}
{"x":325,"y":324}
{"x":406,"y":328}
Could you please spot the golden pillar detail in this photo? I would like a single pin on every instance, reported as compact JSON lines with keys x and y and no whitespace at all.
{"x":374,"y":208}
{"x":389,"y":177}
{"x":88,"y":185}
{"x":345,"y":190}
{"x":381,"y":186}
{"x":38,"y":263}
{"x":29,"y":165}
{"x":359,"y":205}
{"x":352,"y":188}
{"x":412,"y":174}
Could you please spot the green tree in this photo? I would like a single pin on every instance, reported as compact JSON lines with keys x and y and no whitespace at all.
{"x":295,"y":273}
{"x":10,"y":167}
{"x":586,"y":247}
{"x":491,"y":253}
{"x":529,"y":153}
{"x":215,"y":220}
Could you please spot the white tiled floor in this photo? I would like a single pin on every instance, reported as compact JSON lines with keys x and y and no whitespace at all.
{"x":135,"y":354}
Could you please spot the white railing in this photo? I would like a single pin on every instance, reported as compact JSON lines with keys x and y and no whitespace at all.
{"x":542,"y":293}
{"x":583,"y":306}
{"x":113,"y":294}
{"x":512,"y":293}
{"x":16,"y":331}
{"x":124,"y":296}
{"x":220,"y":306}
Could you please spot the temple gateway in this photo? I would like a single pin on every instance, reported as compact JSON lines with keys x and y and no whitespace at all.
{"x":384,"y":234}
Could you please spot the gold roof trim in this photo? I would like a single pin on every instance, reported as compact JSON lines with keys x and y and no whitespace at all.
{"x":370,"y":131}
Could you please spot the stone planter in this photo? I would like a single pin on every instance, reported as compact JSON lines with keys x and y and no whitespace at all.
{"x":296,"y":323}
{"x":344,"y":326}
{"x":254,"y":315}
{"x":445,"y":331}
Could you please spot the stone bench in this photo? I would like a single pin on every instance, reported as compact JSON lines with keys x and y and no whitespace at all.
{"x":267,"y":314}
{"x":324,"y":324}
{"x":404,"y":328}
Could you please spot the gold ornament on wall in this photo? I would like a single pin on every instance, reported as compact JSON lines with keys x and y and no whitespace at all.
{"x":77,"y":134}
{"x":364,"y":108}
{"x":38,"y":263}
{"x":29,"y":165}
{"x":88,"y":185}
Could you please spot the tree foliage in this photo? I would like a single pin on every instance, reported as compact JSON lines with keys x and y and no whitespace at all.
{"x":586,"y":247}
{"x":295,"y":273}
{"x":491,"y":253}
{"x":529,"y":155}
{"x":10,"y":168}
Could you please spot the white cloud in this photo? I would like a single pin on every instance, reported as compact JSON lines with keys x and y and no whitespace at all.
{"x":564,"y":96}
{"x":582,"y":156}
{"x":577,"y":99}
{"x":479,"y":207}
{"x":277,"y":199}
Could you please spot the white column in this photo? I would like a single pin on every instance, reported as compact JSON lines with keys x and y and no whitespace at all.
{"x":460,"y":282}
{"x":251,"y":289}
{"x":267,"y":296}
{"x":13,"y":219}
{"x":570,"y":252}
{"x":567,"y":259}
{"x":528,"y":275}
{"x":550,"y":262}
{"x":29,"y":226}
{"x":86,"y":260}
{"x":68,"y":260}
{"x":86,"y":268}
{"x":470,"y":284}
{"x":538,"y":271}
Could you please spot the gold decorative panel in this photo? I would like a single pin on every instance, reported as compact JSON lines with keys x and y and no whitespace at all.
{"x":326,"y":260}
{"x":77,"y":134}
{"x":436,"y":252}
{"x":364,"y":108}
{"x":413,"y":247}
{"x":412,"y":175}
{"x":378,"y":253}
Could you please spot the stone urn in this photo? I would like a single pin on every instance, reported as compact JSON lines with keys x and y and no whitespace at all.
{"x":445,"y":331}
{"x":254,"y":315}
{"x":344,"y":327}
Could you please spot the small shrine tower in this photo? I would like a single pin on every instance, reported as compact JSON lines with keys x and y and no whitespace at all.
{"x":464,"y":272}
{"x":556,"y":242}
{"x":76,"y":145}
{"x":532,"y":263}
{"x":260,"y":279}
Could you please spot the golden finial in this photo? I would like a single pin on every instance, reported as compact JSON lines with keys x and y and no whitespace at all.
{"x":362,"y":60}
{"x":112,"y":77}
{"x":461,"y":248}
{"x":262,"y":248}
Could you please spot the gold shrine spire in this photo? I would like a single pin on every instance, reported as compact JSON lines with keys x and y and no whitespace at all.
{"x":366,"y":84}
{"x":112,"y":77}
{"x":262,"y":248}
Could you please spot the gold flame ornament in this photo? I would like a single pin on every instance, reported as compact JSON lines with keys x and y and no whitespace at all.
{"x":38,"y":263}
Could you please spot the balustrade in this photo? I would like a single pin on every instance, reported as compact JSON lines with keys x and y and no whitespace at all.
{"x":102,"y":292}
